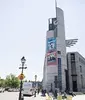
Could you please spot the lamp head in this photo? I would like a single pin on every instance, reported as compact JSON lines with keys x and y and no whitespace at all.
{"x":23,"y":60}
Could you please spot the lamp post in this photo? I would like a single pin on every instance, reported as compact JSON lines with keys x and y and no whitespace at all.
{"x":23,"y":60}
{"x":35,"y":84}
{"x":35,"y":80}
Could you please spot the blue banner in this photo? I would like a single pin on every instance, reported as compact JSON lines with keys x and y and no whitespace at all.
{"x":51,"y":44}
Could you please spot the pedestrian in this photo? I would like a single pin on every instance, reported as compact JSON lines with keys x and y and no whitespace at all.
{"x":56,"y":93}
{"x":35,"y":94}
{"x":42,"y":91}
{"x":38,"y":90}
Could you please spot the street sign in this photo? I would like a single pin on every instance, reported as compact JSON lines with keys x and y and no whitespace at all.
{"x":21,"y":76}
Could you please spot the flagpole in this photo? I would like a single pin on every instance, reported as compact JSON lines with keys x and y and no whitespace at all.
{"x":56,"y":7}
{"x":56,"y":16}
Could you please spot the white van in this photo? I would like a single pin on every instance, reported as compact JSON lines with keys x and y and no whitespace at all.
{"x":28,"y":89}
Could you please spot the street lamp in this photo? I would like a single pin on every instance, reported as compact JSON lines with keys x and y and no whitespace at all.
{"x":35,"y":84}
{"x":23,"y":60}
{"x":35,"y":80}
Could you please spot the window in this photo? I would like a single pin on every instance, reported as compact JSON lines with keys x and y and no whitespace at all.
{"x":82,"y":61}
{"x":72,"y":56}
{"x":59,"y":73}
{"x":55,"y":78}
{"x":55,"y":33}
{"x":81,"y":81}
{"x":73,"y":68}
{"x":59,"y":52}
{"x":81,"y":69}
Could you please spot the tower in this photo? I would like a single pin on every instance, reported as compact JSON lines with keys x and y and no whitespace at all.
{"x":55,"y":58}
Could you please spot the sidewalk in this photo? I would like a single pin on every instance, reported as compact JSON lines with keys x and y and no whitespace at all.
{"x":39,"y":97}
{"x":77,"y":97}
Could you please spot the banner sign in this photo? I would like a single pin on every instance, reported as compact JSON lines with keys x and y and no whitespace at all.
{"x":51,"y":58}
{"x":51,"y":44}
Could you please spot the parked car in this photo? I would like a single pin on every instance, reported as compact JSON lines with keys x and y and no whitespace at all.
{"x":13,"y":90}
{"x":10,"y":90}
{"x":6,"y":88}
{"x":2,"y":89}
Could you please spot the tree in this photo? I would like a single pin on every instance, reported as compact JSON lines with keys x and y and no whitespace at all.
{"x":12,"y":81}
{"x":2,"y":82}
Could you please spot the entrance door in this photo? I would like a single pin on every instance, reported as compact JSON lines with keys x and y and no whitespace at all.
{"x":75,"y":86}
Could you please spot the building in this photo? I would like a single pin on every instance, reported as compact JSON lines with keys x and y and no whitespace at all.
{"x":76,"y":72}
{"x":55,"y":64}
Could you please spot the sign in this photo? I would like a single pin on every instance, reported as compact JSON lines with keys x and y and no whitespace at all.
{"x":21,"y":76}
{"x":51,"y":58}
{"x":53,"y":22}
{"x":51,"y":44}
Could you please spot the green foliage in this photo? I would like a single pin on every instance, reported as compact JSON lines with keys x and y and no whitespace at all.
{"x":2,"y":82}
{"x":12,"y":81}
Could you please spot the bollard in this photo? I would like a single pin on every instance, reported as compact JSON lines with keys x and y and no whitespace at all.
{"x":59,"y":97}
{"x":69,"y":97}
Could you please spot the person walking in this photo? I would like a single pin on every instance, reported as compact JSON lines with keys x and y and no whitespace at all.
{"x":35,"y":94}
{"x":38,"y":90}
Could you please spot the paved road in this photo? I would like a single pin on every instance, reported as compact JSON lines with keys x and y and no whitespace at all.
{"x":15,"y":95}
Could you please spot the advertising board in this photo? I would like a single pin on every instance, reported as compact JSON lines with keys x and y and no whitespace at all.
{"x":51,"y":58}
{"x":51,"y":44}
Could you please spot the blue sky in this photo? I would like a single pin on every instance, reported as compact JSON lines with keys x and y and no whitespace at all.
{"x":23,"y":26}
